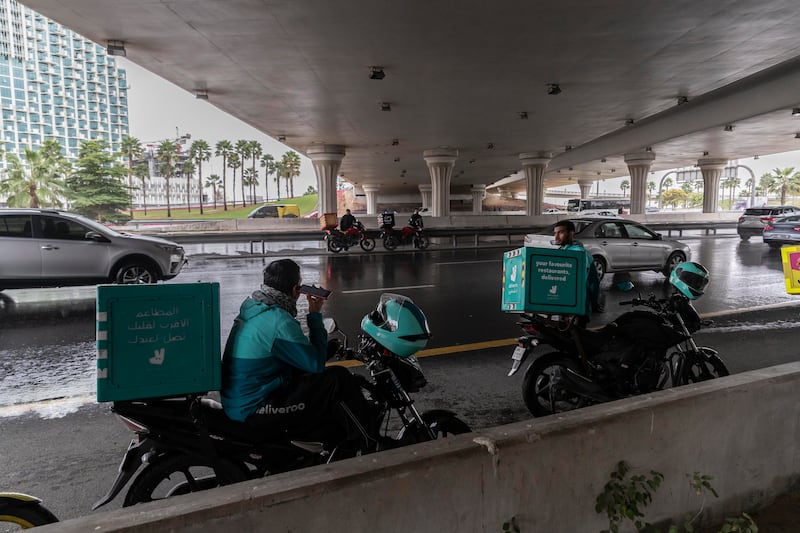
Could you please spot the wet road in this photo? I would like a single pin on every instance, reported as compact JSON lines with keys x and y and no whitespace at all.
{"x":47,"y":336}
{"x":67,"y":450}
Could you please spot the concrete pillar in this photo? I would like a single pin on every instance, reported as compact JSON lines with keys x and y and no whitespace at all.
{"x":639,"y":167}
{"x":371,"y":192}
{"x":712,"y":172}
{"x":534,"y":165}
{"x":586,"y":188}
{"x":326,"y":158}
{"x":440,"y":164}
{"x":425,"y":192}
{"x":478,"y":194}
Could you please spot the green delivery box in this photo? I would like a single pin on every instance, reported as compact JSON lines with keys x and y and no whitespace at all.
{"x":157,"y":340}
{"x":544,"y":280}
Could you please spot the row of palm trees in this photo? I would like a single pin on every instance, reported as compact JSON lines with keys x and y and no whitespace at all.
{"x":244,"y":155}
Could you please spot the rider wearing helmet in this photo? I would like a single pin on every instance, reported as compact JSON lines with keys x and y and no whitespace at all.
{"x":690,"y":279}
{"x":274,"y":377}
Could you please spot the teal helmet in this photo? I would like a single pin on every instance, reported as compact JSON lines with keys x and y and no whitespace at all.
{"x":398,"y":325}
{"x":690,"y":279}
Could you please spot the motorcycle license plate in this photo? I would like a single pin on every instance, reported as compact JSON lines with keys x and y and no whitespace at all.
{"x":519,"y":351}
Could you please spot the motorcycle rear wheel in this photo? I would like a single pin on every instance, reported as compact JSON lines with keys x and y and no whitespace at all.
{"x":24,"y":515}
{"x":178,"y":473}
{"x":421,"y":242}
{"x":541,"y":390}
{"x":390,"y":242}
{"x":367,"y":244}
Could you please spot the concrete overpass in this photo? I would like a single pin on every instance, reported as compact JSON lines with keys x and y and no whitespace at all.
{"x":451,"y":97}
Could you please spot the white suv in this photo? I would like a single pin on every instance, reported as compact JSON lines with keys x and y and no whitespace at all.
{"x":49,"y":248}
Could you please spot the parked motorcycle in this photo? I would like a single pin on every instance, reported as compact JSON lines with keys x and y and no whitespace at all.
{"x":187,"y":444}
{"x":338,"y":240}
{"x":22,"y":512}
{"x":639,"y":352}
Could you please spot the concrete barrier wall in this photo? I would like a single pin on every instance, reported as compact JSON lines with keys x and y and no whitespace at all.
{"x":742,"y":430}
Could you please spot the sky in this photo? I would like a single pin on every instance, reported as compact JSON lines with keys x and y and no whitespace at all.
{"x":159,"y":110}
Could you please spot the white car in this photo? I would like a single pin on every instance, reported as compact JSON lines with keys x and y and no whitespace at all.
{"x":598,"y":213}
{"x":552,"y":211}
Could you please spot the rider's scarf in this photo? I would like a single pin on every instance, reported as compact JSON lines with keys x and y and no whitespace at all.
{"x":272,"y":296}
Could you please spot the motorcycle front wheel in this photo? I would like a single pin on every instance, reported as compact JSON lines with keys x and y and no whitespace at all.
{"x":702,"y":365}
{"x":543,"y":390}
{"x":335,"y":245}
{"x":442,"y":424}
{"x":390,"y":242}
{"x":177,"y":473}
{"x":421,"y":242}
{"x":367,"y":244}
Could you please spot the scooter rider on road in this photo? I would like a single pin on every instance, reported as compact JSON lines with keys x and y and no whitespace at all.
{"x":564,"y":237}
{"x":273,"y":377}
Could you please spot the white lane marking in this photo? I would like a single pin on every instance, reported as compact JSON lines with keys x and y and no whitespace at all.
{"x":470,"y":262}
{"x":386,"y":289}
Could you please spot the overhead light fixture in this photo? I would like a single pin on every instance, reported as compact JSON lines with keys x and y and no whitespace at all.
{"x":523,"y":115}
{"x":376,"y":73}
{"x":797,"y":135}
{"x":705,"y":153}
{"x":385,"y":106}
{"x":395,"y":142}
{"x":567,"y":148}
{"x":471,"y":160}
{"x":648,"y":149}
{"x":553,"y":89}
{"x":795,"y":111}
{"x":282,"y":138}
{"x":490,"y":146}
{"x":629,"y":121}
{"x":682,"y":100}
{"x":201,"y":94}
{"x":570,"y":168}
{"x":613,"y":170}
{"x":728,"y":127}
{"x":396,"y":159}
{"x":603,"y":160}
{"x":115,"y":48}
{"x":755,"y":156}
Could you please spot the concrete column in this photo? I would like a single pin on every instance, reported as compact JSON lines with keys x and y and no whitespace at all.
{"x":712,"y":172}
{"x":425,"y":192}
{"x":440,"y":164}
{"x":534,"y":165}
{"x":478,"y":194}
{"x":639,"y":166}
{"x":586,"y":188}
{"x":371,"y":192}
{"x":326,"y":158}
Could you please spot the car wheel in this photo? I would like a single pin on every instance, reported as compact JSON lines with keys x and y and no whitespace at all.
{"x":744,"y":237}
{"x":135,"y":273}
{"x":673,"y":260}
{"x":600,"y":266}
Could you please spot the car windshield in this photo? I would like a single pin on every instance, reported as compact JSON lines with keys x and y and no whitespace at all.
{"x":758,"y":211}
{"x":94,"y":225}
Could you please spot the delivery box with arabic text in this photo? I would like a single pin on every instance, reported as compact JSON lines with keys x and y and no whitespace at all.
{"x":157,"y":340}
{"x":544,"y":280}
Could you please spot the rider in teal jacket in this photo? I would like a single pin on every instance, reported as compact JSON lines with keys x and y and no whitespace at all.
{"x":264,"y":349}
{"x":564,"y":237}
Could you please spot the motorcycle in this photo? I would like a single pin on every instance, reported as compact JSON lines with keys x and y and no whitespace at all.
{"x":393,"y":238}
{"x":23,"y":511}
{"x":187,"y":444}
{"x":639,"y":352}
{"x":338,"y":240}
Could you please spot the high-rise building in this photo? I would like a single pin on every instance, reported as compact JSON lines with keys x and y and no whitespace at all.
{"x":56,"y":84}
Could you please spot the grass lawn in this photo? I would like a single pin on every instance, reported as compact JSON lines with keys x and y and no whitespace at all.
{"x":306,"y":204}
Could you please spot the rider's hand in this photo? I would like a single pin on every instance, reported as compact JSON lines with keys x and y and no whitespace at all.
{"x":315,"y":303}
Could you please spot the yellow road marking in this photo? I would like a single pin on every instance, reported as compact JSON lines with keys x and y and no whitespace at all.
{"x":446,"y":350}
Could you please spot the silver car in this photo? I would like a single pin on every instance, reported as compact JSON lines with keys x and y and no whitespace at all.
{"x":621,"y":245}
{"x":783,"y":230}
{"x":49,"y":248}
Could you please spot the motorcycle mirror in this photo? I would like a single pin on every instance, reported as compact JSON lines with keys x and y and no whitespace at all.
{"x":329,"y":324}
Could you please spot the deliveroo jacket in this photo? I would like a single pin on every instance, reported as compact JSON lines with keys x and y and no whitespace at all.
{"x":592,"y":281}
{"x":265,"y":347}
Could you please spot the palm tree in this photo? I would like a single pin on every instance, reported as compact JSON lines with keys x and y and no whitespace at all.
{"x":291,"y":163}
{"x":243,"y":149}
{"x":213,"y":181}
{"x":167,"y":155}
{"x":224,"y":149}
{"x":651,"y":186}
{"x":255,"y":153}
{"x":279,"y":171}
{"x":200,"y":151}
{"x":625,"y":185}
{"x":188,"y":168}
{"x":268,"y":162}
{"x":234,"y":163}
{"x":249,"y":179}
{"x":131,"y":148}
{"x":783,"y":181}
{"x":36,"y":181}
{"x":142,"y":172}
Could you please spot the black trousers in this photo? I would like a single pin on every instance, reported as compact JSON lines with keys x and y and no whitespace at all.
{"x":328,"y":407}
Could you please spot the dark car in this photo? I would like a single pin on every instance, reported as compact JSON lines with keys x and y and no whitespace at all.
{"x":50,"y":248}
{"x":621,"y":245}
{"x":783,"y":230}
{"x":752,"y":222}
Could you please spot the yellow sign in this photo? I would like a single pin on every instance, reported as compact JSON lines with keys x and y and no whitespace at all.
{"x":791,"y":268}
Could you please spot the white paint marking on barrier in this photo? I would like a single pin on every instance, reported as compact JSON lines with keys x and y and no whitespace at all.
{"x":102,"y":335}
{"x":102,"y":316}
{"x":386,"y":289}
{"x":102,"y":354}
